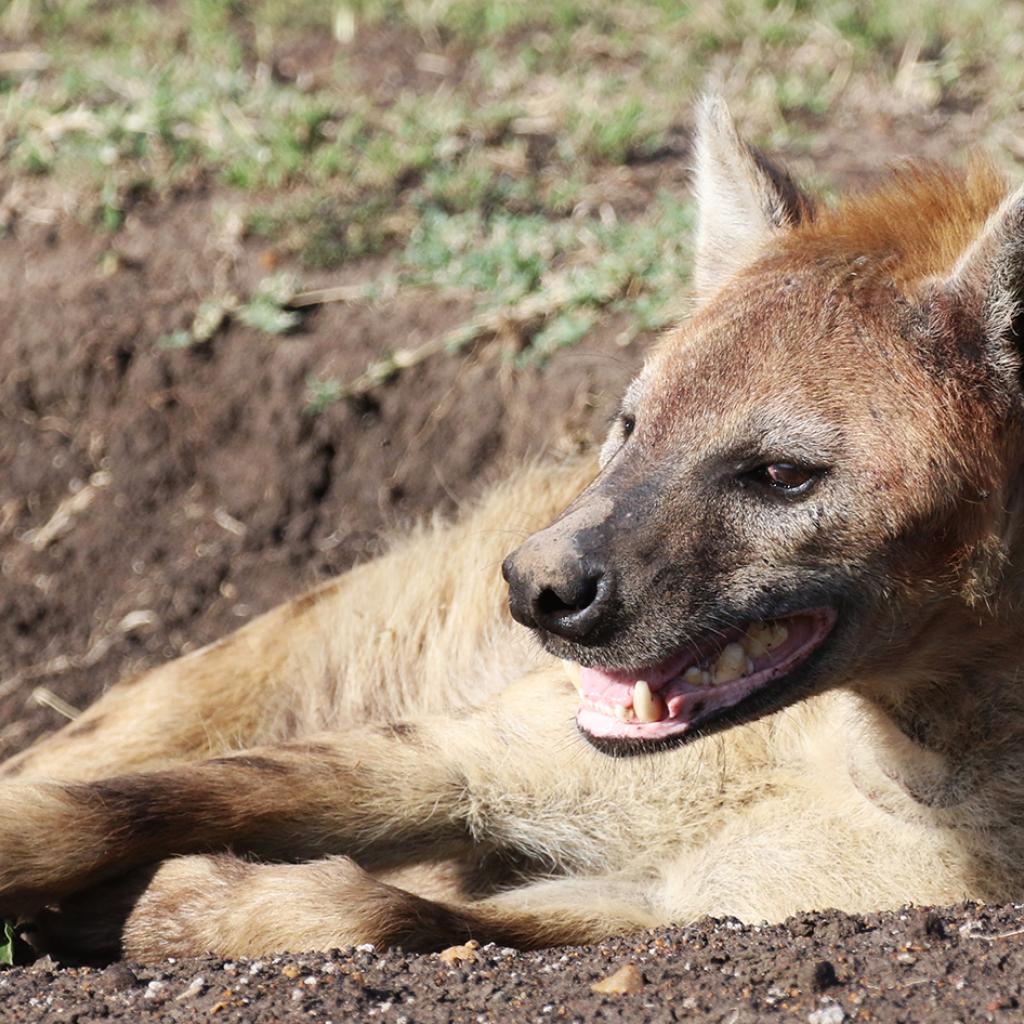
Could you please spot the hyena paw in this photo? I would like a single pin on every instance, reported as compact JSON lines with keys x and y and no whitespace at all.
{"x":165,"y":909}
{"x":222,"y":904}
{"x":186,"y":906}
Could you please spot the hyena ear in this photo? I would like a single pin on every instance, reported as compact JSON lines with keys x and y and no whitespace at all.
{"x":742,"y":199}
{"x":987,"y":284}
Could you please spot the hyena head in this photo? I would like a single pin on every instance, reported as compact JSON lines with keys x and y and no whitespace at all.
{"x":813,"y":481}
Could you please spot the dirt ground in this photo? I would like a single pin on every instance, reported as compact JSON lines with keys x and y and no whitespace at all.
{"x":963,"y":963}
{"x":151,"y":500}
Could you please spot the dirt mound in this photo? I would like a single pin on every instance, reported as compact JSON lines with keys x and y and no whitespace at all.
{"x":153,"y":499}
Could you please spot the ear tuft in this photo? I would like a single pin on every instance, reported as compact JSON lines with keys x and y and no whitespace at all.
{"x":742,"y":198}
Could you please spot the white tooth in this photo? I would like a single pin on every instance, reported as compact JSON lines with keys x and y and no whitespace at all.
{"x":757,"y":638}
{"x":705,"y":678}
{"x":730,"y":663}
{"x":693,"y":676}
{"x":750,"y":667}
{"x":727,"y":674}
{"x":572,"y":670}
{"x":620,"y":712}
{"x":647,"y":706}
{"x":780,"y":634}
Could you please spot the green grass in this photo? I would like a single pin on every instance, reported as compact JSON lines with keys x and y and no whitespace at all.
{"x":573,"y":264}
{"x":266,"y":310}
{"x":7,"y":945}
{"x":486,"y":169}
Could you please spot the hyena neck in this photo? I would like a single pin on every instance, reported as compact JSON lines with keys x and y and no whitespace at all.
{"x":910,"y":781}
{"x":946,"y":743}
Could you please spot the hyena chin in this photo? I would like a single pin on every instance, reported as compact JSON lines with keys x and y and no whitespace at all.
{"x":792,"y":584}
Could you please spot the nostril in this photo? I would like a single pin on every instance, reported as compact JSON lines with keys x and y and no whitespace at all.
{"x":552,"y":605}
{"x":575,"y":609}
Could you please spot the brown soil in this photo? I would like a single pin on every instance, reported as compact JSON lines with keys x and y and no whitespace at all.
{"x":214,"y":494}
{"x":961,"y":964}
{"x":152,"y":500}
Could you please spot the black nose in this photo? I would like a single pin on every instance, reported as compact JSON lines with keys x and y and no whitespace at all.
{"x":572,"y":603}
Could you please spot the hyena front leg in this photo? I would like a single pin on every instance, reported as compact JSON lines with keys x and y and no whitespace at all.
{"x":222,"y":904}
{"x":339,"y":793}
{"x":428,"y":789}
{"x":387,"y":795}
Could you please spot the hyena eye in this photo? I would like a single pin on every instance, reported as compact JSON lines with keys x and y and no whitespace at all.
{"x":787,"y":478}
{"x":628,"y":423}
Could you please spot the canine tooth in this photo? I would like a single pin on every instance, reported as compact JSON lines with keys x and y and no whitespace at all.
{"x":647,"y":706}
{"x":730,"y":664}
{"x":572,"y":670}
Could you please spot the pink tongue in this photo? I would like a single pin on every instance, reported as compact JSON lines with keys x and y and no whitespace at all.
{"x":606,"y":688}
{"x":617,"y":687}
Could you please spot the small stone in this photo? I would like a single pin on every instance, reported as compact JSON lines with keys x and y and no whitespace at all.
{"x":460,"y":954}
{"x":818,"y":977}
{"x":928,"y":925}
{"x":627,"y":980}
{"x":196,"y":988}
{"x":117,"y":978}
{"x":831,"y":1014}
{"x":290,"y":971}
{"x":156,"y":990}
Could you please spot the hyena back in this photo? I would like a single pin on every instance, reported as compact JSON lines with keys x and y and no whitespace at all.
{"x":778,"y":642}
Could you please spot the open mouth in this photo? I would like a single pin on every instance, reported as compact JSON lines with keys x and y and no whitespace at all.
{"x":698,"y":683}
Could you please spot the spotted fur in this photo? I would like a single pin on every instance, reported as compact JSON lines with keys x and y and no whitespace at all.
{"x":390,"y":758}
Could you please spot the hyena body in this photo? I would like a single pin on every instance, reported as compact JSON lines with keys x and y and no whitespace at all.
{"x":779,"y":657}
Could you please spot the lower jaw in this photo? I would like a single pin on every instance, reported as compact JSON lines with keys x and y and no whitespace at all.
{"x":685,"y":709}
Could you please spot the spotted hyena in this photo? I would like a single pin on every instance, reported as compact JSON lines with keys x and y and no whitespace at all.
{"x":765,"y":658}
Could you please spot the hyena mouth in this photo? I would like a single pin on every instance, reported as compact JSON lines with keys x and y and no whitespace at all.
{"x":698,"y":683}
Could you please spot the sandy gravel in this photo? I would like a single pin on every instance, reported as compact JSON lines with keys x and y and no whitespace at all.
{"x":963,"y":963}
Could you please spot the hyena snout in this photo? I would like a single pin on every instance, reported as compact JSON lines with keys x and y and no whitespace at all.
{"x":556,"y":587}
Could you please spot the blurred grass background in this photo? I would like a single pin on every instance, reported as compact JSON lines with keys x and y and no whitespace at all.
{"x":531,"y":156}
